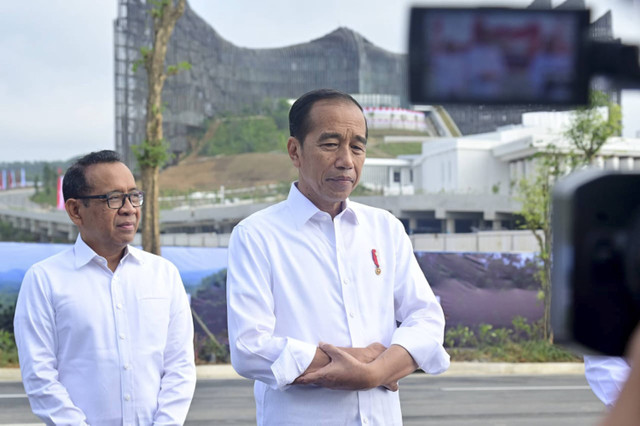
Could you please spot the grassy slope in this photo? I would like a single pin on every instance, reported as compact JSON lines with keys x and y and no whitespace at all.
{"x":238,"y":171}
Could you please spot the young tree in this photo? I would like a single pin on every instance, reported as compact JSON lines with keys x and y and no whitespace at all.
{"x":152,"y":153}
{"x":587,"y":133}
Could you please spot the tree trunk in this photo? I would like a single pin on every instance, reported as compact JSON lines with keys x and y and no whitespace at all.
{"x":150,"y":210}
{"x":154,"y":136}
{"x":150,"y":161}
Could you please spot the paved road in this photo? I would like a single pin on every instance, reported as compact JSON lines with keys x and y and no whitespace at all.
{"x":558,"y":400}
{"x":18,"y":198}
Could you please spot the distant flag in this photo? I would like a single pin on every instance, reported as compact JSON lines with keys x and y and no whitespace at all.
{"x":3,"y":179}
{"x":23,"y":178}
{"x":60,"y":199}
{"x":11,"y":178}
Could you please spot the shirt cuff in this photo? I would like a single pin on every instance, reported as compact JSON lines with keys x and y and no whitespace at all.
{"x":430,"y":356}
{"x":294,"y":359}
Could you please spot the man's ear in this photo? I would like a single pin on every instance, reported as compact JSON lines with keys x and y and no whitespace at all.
{"x":294,"y":147}
{"x":72,"y":206}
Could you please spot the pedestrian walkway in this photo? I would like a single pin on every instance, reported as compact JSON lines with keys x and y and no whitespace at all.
{"x":225,"y":371}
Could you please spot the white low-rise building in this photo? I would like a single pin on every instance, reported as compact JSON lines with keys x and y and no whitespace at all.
{"x":463,"y":184}
{"x":488,"y":163}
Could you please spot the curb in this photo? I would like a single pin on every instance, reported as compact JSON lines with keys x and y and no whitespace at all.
{"x":457,"y":369}
{"x":507,"y":369}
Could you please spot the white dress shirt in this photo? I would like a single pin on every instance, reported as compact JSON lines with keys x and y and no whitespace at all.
{"x":105,"y":348}
{"x":606,"y":376}
{"x":296,"y":278}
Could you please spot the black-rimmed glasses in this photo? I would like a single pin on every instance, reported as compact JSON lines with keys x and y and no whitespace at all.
{"x":116,"y":199}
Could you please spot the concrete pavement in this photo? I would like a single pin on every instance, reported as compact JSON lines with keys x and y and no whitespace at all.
{"x":459,"y":369}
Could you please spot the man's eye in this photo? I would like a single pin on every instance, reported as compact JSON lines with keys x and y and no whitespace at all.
{"x":115,"y":197}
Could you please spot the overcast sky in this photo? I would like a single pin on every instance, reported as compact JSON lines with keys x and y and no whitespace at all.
{"x":56,"y":84}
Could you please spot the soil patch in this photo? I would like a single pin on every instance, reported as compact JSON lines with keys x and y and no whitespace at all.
{"x":232,"y":171}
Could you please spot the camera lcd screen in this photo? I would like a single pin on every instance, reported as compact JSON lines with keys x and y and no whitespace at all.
{"x":498,"y":56}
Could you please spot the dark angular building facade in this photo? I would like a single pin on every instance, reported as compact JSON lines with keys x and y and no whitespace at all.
{"x":228,"y":78}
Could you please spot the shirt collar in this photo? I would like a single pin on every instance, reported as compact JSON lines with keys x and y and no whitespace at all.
{"x":85,"y":254}
{"x":303,"y":209}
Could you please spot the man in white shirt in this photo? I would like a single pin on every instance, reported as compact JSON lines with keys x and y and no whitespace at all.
{"x":606,"y":375}
{"x":104,"y":330}
{"x":317,"y":285}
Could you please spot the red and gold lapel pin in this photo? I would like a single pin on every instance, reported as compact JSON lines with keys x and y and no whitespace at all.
{"x":375,"y":261}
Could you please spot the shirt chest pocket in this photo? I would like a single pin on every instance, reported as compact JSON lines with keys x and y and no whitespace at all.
{"x":153,"y":319}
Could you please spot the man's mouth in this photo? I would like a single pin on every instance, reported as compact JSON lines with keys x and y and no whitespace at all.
{"x":341,"y":179}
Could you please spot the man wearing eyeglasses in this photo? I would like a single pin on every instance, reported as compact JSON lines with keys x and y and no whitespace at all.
{"x":104,"y":330}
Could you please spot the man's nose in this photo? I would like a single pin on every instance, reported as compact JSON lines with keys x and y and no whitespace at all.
{"x":127,"y":207}
{"x":344,"y":159}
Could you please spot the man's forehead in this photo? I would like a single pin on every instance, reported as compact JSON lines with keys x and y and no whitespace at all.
{"x":329,"y":106}
{"x":105,"y":172}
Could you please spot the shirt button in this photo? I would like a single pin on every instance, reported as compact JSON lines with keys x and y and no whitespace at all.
{"x":127,"y":397}
{"x":351,"y":315}
{"x":122,"y":336}
{"x":119,"y":306}
{"x":365,"y":420}
{"x":345,"y":282}
{"x":127,"y":366}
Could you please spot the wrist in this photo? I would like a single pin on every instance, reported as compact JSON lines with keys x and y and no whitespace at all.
{"x":374,"y":375}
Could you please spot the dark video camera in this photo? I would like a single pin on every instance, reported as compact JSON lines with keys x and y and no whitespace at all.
{"x":510,"y":56}
{"x":546,"y":57}
{"x":595,"y":297}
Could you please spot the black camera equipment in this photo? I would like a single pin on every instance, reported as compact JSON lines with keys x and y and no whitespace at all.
{"x":546,"y":57}
{"x":510,"y":56}
{"x":595,"y":297}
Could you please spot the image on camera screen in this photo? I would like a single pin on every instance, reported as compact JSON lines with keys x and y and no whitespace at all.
{"x":493,"y":55}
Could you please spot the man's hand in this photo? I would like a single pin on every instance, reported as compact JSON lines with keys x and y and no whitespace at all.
{"x":358,"y":368}
{"x":344,"y":371}
{"x":367,"y":354}
{"x":363,"y":355}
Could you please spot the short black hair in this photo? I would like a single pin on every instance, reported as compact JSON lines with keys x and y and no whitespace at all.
{"x":299,"y":123}
{"x":74,"y":183}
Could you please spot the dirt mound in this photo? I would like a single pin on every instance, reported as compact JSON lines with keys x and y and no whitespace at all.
{"x":232,"y":171}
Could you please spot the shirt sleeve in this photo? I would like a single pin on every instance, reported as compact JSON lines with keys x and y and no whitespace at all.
{"x":36,"y":339}
{"x":606,"y":376}
{"x":179,"y":371}
{"x":257,"y":353}
{"x":421,"y":331}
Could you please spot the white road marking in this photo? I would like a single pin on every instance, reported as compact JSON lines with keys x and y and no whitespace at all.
{"x":514,"y":388}
{"x":12,"y":395}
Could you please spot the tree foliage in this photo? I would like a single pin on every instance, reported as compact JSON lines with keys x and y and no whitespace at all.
{"x":9,"y":233}
{"x":246,"y":134}
{"x":589,"y":129}
{"x":259,"y":128}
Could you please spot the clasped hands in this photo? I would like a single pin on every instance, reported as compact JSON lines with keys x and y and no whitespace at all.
{"x":348,"y":368}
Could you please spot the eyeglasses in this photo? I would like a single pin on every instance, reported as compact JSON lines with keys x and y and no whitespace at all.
{"x":116,"y":199}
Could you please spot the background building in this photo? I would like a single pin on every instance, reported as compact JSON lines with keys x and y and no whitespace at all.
{"x":227,"y":78}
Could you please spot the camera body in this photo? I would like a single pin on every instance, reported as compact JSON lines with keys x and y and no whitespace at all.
{"x":505,"y":56}
{"x":509,"y":56}
{"x":595,"y":297}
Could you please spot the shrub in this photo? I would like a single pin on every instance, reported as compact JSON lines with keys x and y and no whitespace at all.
{"x":8,"y":350}
{"x":461,"y":337}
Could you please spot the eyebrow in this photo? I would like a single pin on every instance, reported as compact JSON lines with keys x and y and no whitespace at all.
{"x":135,"y":188}
{"x":336,"y":135}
